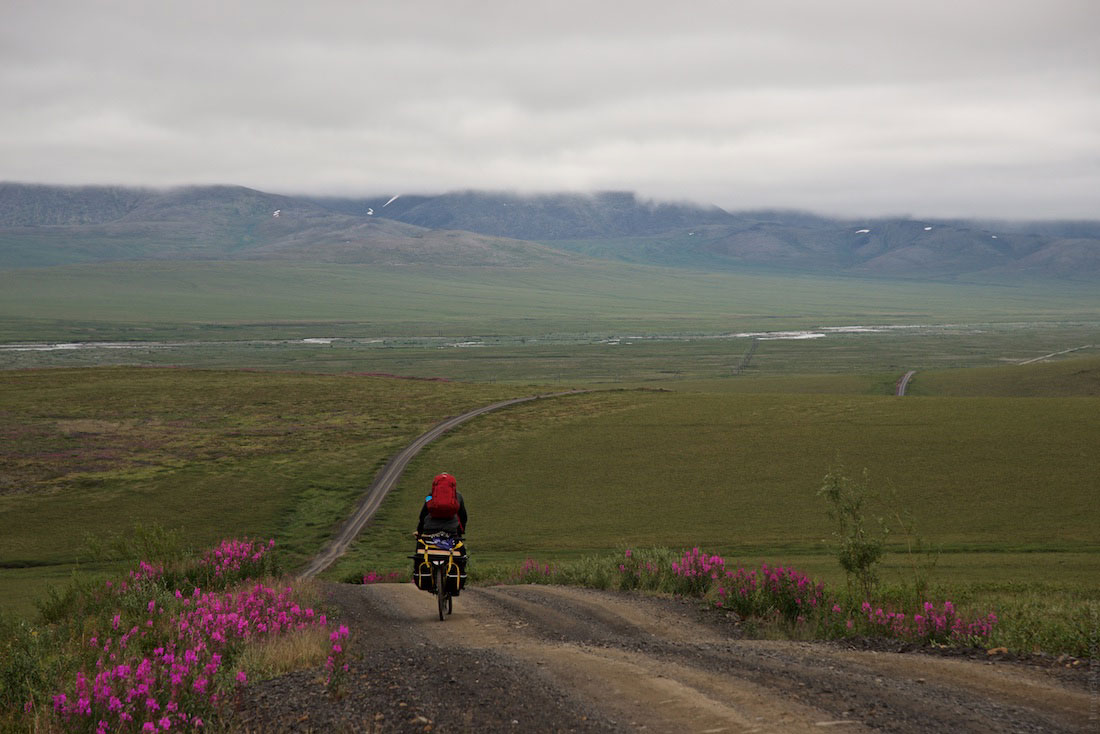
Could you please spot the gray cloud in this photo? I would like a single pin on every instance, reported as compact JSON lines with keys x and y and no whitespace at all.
{"x":980,"y":108}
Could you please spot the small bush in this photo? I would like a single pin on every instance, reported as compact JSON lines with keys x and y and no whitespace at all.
{"x":858,"y":546}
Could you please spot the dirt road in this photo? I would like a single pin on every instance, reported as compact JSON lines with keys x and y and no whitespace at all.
{"x":386,"y":479}
{"x":548,"y":659}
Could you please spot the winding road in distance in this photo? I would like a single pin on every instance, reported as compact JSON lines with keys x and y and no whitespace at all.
{"x":387,"y":478}
{"x":391,"y":472}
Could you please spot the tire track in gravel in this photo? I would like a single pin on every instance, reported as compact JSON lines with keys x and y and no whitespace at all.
{"x":585,"y":660}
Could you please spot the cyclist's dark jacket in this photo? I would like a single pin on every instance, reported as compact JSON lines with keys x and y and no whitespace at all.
{"x":455,"y":525}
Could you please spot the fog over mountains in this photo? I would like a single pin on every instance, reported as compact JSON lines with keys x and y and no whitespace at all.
{"x":51,"y":225}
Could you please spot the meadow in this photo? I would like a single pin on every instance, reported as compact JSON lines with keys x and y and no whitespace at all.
{"x":731,"y":464}
{"x":989,"y":502}
{"x":737,"y":473}
{"x":236,"y":426}
{"x":215,"y":454}
{"x":235,"y":300}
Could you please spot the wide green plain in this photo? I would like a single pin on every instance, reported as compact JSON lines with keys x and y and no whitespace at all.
{"x":246,"y":300}
{"x":995,"y":460}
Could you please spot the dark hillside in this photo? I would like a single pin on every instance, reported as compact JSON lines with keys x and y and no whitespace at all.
{"x":29,"y":205}
{"x":230,"y":223}
{"x":550,"y":217}
{"x":44,"y":225}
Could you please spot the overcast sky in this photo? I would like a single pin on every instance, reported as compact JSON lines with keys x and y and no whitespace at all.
{"x":964,"y":108}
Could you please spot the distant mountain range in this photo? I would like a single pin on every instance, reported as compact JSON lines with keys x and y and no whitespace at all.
{"x":51,"y":225}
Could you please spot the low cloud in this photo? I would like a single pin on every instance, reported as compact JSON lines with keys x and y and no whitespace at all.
{"x":974,"y":109}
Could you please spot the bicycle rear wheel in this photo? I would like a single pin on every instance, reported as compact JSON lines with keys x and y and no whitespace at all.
{"x":441,"y":595}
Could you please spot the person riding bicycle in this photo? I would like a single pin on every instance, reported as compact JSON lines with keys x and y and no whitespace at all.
{"x":443,"y":513}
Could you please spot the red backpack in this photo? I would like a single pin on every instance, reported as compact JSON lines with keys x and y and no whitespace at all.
{"x":443,"y":502}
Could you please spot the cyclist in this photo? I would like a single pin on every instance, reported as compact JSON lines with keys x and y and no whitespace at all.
{"x":444,"y":513}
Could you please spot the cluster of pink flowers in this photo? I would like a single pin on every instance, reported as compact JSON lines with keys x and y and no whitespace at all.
{"x":784,"y":590}
{"x":698,"y":570}
{"x":247,"y":613}
{"x":145,"y":572}
{"x":636,"y":573}
{"x":694,"y":563}
{"x":935,"y":623}
{"x":167,"y":668}
{"x":533,"y":572}
{"x":335,"y":663}
{"x":777,"y":593}
{"x":236,"y":555}
{"x":373,"y":577}
{"x":784,"y":593}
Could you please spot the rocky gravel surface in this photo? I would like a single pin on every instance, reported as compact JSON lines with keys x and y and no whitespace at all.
{"x":554,"y":659}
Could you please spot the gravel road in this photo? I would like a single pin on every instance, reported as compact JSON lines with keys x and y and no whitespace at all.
{"x":557,"y":659}
{"x":386,"y":479}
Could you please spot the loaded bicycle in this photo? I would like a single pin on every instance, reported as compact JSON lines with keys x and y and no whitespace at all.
{"x":439,"y":567}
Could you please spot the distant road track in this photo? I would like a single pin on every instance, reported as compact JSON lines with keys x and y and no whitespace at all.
{"x":903,"y":383}
{"x":387,"y":478}
{"x":1055,"y":354}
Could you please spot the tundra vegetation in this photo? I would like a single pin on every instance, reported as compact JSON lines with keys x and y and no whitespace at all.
{"x":708,"y":478}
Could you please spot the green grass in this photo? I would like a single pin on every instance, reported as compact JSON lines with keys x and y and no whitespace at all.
{"x":124,"y":300}
{"x":218,"y":454}
{"x":1069,"y":376}
{"x":737,"y":473}
{"x":1002,"y":485}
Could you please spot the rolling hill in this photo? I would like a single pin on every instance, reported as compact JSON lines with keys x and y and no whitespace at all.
{"x":49,"y":225}
{"x":46,"y":226}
